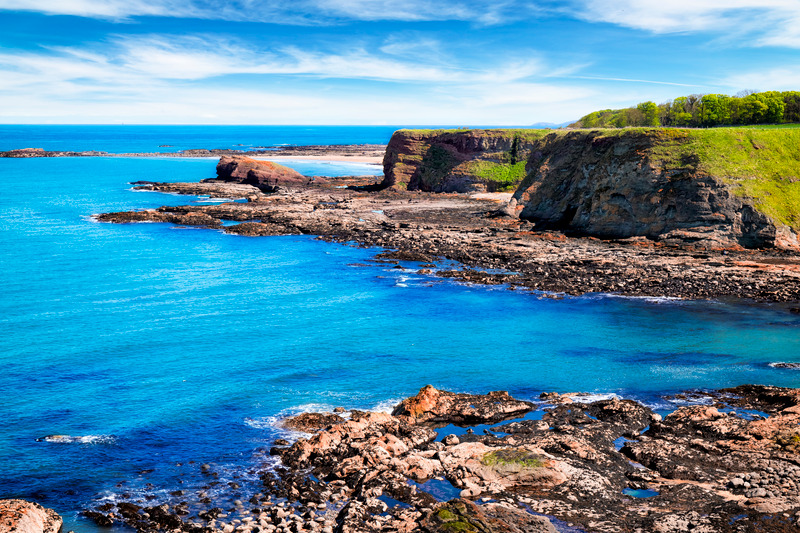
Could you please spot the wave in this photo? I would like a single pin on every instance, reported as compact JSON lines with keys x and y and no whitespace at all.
{"x":78,"y":439}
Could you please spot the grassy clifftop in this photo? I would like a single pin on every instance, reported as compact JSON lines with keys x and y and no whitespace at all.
{"x":759,"y":163}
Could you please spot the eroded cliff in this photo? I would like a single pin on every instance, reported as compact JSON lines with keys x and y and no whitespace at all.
{"x":727,"y":187}
{"x":458,"y":160}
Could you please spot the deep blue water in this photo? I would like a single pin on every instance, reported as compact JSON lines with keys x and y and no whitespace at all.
{"x":118,"y":139}
{"x":161,"y":345}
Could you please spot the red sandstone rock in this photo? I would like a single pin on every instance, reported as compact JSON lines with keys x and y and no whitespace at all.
{"x":20,"y":516}
{"x":434,"y":406}
{"x":265,"y":175}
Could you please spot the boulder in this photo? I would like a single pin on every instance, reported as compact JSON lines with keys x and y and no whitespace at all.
{"x":433,"y":406}
{"x":266,"y":175}
{"x":20,"y":516}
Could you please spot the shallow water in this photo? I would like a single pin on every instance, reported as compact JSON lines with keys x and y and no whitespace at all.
{"x":152,"y":345}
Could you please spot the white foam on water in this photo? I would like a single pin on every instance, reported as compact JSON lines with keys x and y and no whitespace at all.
{"x":593,"y":397}
{"x":79,"y":439}
{"x":387,"y":406}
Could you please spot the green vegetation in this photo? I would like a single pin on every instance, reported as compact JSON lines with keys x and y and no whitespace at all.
{"x":498,"y":176}
{"x":789,"y":441}
{"x":512,"y":457}
{"x":436,"y":165}
{"x":763,"y":164}
{"x":454,"y":519}
{"x":703,"y":110}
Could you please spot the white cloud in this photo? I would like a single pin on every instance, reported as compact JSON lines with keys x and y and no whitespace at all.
{"x":778,"y":79}
{"x":157,"y":79}
{"x":308,"y":12}
{"x":756,"y":22}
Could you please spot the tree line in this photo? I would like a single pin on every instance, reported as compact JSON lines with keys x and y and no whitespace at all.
{"x":702,"y":111}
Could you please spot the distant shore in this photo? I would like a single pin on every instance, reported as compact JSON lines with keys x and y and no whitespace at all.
{"x":353,"y":153}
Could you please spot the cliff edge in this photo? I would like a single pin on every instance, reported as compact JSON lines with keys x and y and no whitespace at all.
{"x":724,"y":187}
{"x":458,"y":160}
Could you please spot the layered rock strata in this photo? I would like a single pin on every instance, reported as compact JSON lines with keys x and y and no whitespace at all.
{"x":457,"y":160}
{"x":618,"y":186}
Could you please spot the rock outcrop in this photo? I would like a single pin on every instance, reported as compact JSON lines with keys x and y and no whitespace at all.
{"x":640,"y":183}
{"x":728,"y":463}
{"x":20,"y":516}
{"x":266,"y":175}
{"x":457,"y":160}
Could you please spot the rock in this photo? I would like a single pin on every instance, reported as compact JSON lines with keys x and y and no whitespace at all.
{"x":617,"y":186}
{"x":465,"y":516}
{"x":266,"y":175}
{"x":432,"y":406}
{"x":311,"y":422}
{"x":20,"y":516}
{"x":455,"y":161}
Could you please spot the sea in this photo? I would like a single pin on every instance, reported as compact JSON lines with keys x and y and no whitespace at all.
{"x":130,"y":355}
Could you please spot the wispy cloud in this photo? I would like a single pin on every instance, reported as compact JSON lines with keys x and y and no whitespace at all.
{"x":300,"y":12}
{"x":760,"y":22}
{"x":159,"y":78}
{"x":785,"y":78}
{"x":630,"y":80}
{"x":204,"y":56}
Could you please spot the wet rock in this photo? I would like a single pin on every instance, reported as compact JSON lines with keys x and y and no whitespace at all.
{"x":432,"y":406}
{"x":20,"y":516}
{"x":311,"y":422}
{"x":463,"y":515}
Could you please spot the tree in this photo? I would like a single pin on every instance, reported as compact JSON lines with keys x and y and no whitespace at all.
{"x":649,"y":113}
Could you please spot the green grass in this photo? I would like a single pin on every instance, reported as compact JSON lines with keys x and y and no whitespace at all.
{"x":512,"y":457}
{"x":763,"y":164}
{"x":503,"y":176}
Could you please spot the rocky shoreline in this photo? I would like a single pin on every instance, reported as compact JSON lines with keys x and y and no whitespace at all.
{"x":344,"y":151}
{"x":722,"y":461}
{"x":480,"y":232}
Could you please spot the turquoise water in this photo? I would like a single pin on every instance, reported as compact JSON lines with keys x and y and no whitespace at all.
{"x":153,"y":345}
{"x":118,"y":139}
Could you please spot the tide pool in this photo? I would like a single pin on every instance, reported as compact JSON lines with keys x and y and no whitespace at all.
{"x":158,"y":345}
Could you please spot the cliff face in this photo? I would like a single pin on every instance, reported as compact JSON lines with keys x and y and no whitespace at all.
{"x":652,"y":183}
{"x":457,"y":160}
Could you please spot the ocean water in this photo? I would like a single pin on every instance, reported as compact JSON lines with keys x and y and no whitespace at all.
{"x":116,"y":139}
{"x":153,"y":348}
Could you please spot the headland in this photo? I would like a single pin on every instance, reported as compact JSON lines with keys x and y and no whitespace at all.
{"x":629,"y":212}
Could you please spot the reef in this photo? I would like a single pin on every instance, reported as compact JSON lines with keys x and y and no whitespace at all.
{"x":722,"y":461}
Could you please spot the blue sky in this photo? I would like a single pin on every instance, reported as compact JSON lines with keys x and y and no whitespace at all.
{"x":469,"y":62}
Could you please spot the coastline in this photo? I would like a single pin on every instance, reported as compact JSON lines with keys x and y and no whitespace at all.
{"x":354,"y":153}
{"x":492,"y":248}
{"x":492,"y":463}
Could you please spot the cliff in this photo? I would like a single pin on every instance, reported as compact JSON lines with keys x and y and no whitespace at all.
{"x":458,"y":160}
{"x":721,"y":187}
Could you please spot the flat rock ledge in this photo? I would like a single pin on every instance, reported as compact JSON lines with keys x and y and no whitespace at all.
{"x":20,"y":516}
{"x":475,"y":231}
{"x":724,"y":461}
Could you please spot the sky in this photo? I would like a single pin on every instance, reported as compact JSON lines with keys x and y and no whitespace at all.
{"x":396,"y":62}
